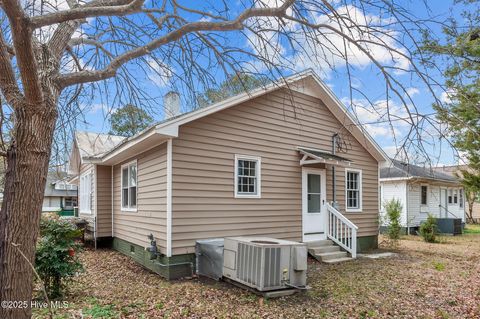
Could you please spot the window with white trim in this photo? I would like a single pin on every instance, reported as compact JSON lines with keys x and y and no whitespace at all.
{"x":247,"y":176}
{"x":455,"y":196}
{"x":423,"y":194}
{"x":460,"y":200}
{"x":353,"y":189}
{"x":86,"y":193}
{"x":450,"y":196}
{"x":129,"y":186}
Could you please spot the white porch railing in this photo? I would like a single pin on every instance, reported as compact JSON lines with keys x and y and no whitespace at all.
{"x":341,"y":230}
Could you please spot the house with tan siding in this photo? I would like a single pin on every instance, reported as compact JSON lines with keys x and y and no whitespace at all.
{"x":286,"y":161}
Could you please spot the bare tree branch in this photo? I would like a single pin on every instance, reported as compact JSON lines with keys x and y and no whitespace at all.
{"x":87,"y":11}
{"x":110,"y":70}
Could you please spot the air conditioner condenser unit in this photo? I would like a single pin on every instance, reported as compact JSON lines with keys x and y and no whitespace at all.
{"x":265,"y":263}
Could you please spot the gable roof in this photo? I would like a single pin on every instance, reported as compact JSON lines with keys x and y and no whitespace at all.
{"x":91,"y":144}
{"x":401,"y":170}
{"x":305,"y":82}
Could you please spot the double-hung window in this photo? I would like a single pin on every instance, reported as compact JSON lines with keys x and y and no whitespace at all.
{"x":353,"y":196}
{"x":423,"y":194}
{"x":247,"y":176}
{"x":460,"y":200}
{"x":450,"y":196}
{"x":86,"y":193}
{"x":129,"y":186}
{"x":455,"y":196}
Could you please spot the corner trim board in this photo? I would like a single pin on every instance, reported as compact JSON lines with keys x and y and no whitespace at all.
{"x":169,"y":198}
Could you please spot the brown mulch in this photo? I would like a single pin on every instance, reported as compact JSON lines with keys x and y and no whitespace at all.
{"x":422,"y":281}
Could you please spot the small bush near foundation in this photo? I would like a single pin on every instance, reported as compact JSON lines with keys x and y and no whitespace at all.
{"x":56,"y":257}
{"x":429,"y":230}
{"x":393,"y":210}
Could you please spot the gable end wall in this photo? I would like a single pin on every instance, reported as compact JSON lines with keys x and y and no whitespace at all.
{"x":270,"y":126}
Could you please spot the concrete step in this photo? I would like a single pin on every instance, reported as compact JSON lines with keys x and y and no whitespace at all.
{"x":338,"y":260}
{"x":319,"y":243}
{"x":332,"y":255}
{"x":323,"y":249}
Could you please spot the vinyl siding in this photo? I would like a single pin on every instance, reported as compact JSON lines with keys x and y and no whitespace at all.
{"x":104,"y":201}
{"x":150,"y":217}
{"x":271,"y":126}
{"x":394,"y":190}
{"x":418,"y":213}
{"x":90,"y":218}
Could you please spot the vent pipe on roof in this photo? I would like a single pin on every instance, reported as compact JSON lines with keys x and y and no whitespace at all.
{"x":171,"y":104}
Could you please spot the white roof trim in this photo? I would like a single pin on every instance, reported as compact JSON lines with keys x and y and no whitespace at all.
{"x":357,"y":130}
{"x":170,"y":128}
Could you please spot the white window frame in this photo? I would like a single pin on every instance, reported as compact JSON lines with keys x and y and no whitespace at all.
{"x":127,"y":165}
{"x":461,"y":198}
{"x":450,"y":197}
{"x":426,"y":199}
{"x":360,"y":188}
{"x":455,"y":197}
{"x":258,"y":174}
{"x":84,"y":189}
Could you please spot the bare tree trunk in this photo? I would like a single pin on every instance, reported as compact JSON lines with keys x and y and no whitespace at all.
{"x":27,"y":167}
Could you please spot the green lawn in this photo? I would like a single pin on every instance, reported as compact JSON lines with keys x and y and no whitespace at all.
{"x":472,"y":229}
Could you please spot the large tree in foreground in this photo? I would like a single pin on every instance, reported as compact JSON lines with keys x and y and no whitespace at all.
{"x":55,"y":55}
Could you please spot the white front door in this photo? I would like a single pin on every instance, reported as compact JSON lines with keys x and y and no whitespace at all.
{"x":313,"y":204}
{"x":443,"y":202}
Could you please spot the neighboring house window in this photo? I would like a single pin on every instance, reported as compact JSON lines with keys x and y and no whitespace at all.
{"x":70,"y":202}
{"x":129,"y":186}
{"x":461,"y":198}
{"x":450,"y":196}
{"x":424,"y":192}
{"x":247,"y":176}
{"x":86,"y":193}
{"x":455,"y":197}
{"x":353,"y":188}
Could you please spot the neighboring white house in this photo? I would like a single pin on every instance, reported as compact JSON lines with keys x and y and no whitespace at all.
{"x":60,"y":196}
{"x":421,"y":191}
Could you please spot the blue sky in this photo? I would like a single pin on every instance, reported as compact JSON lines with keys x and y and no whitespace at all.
{"x":366,"y":78}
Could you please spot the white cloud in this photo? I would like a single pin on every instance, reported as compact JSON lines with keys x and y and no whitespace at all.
{"x":330,"y":50}
{"x":97,"y":108}
{"x":159,"y":73}
{"x":446,"y":96}
{"x":381,"y":118}
{"x":413,"y":91}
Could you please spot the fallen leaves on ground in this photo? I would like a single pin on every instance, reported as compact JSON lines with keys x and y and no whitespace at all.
{"x":423,"y":280}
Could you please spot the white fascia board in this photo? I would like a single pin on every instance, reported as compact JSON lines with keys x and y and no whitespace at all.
{"x":232,"y":101}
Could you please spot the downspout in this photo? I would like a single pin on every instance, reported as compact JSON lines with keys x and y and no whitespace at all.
{"x":334,"y":193}
{"x":96,"y":201}
{"x":407,"y":200}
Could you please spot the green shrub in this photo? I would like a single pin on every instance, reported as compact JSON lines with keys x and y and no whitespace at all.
{"x":56,"y":257}
{"x":393,"y":210}
{"x":428,"y":229}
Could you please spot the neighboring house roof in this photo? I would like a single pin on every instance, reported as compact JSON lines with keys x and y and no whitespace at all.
{"x":95,"y":144}
{"x":58,"y":177}
{"x":306,"y":82}
{"x":402,"y":170}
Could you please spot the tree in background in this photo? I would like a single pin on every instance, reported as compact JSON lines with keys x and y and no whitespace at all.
{"x":129,"y":120}
{"x":233,"y":85}
{"x":57,"y":56}
{"x":461,"y":112}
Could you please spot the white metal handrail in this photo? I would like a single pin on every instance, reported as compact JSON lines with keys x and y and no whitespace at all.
{"x":341,"y":230}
